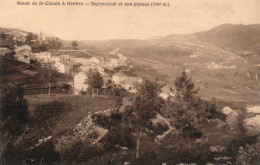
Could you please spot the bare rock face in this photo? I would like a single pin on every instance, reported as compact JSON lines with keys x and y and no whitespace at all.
{"x":164,"y":122}
{"x":252,"y":123}
{"x":254,"y":109}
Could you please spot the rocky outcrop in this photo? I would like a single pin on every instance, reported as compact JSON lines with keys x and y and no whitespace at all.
{"x":252,"y":123}
{"x":231,"y":116}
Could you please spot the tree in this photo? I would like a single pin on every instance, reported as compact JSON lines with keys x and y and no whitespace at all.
{"x":184,"y":88}
{"x":74,"y":44}
{"x":55,"y":44}
{"x":12,"y":102}
{"x":188,"y":111}
{"x":94,"y":81}
{"x":29,"y":37}
{"x":3,"y":36}
{"x":145,"y":104}
{"x":50,"y":74}
{"x":14,"y":116}
{"x":133,"y":119}
{"x":115,"y":92}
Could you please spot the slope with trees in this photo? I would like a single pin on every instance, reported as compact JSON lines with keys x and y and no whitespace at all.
{"x":14,"y":117}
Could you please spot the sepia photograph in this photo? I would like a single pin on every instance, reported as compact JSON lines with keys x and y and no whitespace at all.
{"x":130,"y":82}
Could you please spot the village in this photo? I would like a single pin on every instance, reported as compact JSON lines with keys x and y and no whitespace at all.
{"x":75,"y":62}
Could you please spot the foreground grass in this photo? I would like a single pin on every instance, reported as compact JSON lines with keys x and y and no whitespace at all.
{"x":74,"y":109}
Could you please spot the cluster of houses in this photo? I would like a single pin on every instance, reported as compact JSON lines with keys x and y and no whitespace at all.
{"x":64,"y":61}
{"x":213,"y":65}
{"x":78,"y":63}
{"x":24,"y":54}
{"x":102,"y":64}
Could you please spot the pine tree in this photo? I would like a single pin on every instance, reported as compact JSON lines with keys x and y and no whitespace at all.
{"x":184,"y":88}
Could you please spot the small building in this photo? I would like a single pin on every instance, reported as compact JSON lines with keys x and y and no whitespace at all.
{"x":23,"y":57}
{"x":47,"y":37}
{"x":114,"y":63}
{"x":233,"y":67}
{"x":114,"y":52}
{"x":75,"y":53}
{"x":129,"y":83}
{"x":65,"y":57}
{"x":167,"y":91}
{"x":23,"y":48}
{"x":100,"y":69}
{"x":86,"y":68}
{"x":24,"y":53}
{"x":55,"y":59}
{"x":62,"y":67}
{"x":43,"y":57}
{"x":79,"y":82}
{"x":94,"y":60}
{"x":4,"y":51}
{"x":119,"y":77}
{"x":81,"y":60}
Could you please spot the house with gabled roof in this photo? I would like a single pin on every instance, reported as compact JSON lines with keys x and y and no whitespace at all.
{"x":119,"y":77}
{"x":63,"y":67}
{"x":127,"y":82}
{"x":75,"y":53}
{"x":4,"y":51}
{"x":80,"y":82}
{"x":167,"y":91}
{"x":43,"y":57}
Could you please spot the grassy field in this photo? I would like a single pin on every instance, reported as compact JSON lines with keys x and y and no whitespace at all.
{"x":219,"y":84}
{"x":74,"y":108}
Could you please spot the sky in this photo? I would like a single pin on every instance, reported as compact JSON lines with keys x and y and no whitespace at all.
{"x":101,"y":23}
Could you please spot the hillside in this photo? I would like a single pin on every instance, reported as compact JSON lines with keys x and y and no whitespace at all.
{"x":213,"y":64}
{"x":241,"y":39}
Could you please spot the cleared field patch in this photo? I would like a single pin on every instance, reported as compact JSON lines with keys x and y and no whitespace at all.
{"x":72,"y":109}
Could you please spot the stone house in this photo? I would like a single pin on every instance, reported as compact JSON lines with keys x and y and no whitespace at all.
{"x":79,"y":82}
{"x":62,"y":67}
{"x":167,"y":91}
{"x":119,"y":77}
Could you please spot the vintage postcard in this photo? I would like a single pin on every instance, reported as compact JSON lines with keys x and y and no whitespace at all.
{"x":130,"y":82}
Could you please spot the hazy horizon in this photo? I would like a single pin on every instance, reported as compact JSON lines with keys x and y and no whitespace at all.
{"x":105,"y":23}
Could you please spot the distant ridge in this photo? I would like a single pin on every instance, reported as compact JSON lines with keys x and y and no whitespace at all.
{"x":236,"y":38}
{"x":239,"y":39}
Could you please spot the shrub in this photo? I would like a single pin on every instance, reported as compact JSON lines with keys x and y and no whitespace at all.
{"x":159,"y":128}
{"x":82,"y":143}
{"x":50,"y":111}
{"x":185,"y":150}
{"x":14,"y":115}
{"x":120,"y":132}
{"x":12,"y":103}
{"x":249,"y":154}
